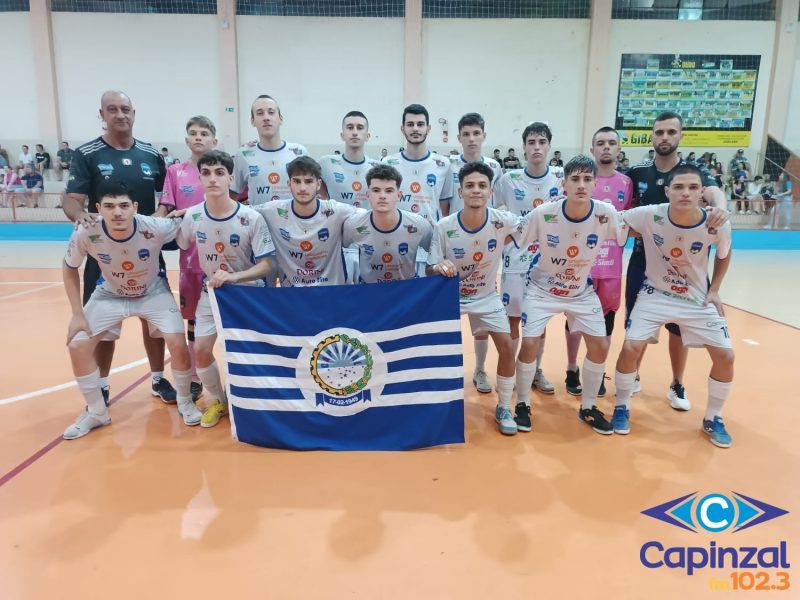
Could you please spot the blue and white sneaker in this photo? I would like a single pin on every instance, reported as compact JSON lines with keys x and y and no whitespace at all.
{"x":163,"y":389}
{"x":621,"y":420}
{"x":716,"y":432}
{"x":505,"y":420}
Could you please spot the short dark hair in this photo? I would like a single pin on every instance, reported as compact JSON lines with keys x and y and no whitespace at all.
{"x":666,"y":116}
{"x":496,"y":150}
{"x":264,"y":97}
{"x":475,"y":167}
{"x":580,"y":164}
{"x":385,"y":172}
{"x":472,"y":118}
{"x":356,"y":113}
{"x":757,"y":177}
{"x":539,"y":128}
{"x":164,"y":149}
{"x":112,"y":188}
{"x":605,"y":129}
{"x":304,"y":165}
{"x":416,"y":109}
{"x":216,"y":157}
{"x":684,"y":169}
{"x":40,"y":146}
{"x":26,"y":146}
{"x":201,"y":121}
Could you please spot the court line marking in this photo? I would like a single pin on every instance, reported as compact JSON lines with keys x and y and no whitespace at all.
{"x":64,"y":386}
{"x":54,"y":443}
{"x":26,"y":292}
{"x":755,"y":314}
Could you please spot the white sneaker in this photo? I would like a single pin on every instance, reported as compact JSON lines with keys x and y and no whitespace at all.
{"x":482,"y":383}
{"x":677,"y":397}
{"x":637,"y":386}
{"x":190,"y":413}
{"x":85,"y":422}
{"x":541,"y":383}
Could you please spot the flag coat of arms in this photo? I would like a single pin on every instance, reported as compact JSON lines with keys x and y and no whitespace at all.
{"x":357,"y":367}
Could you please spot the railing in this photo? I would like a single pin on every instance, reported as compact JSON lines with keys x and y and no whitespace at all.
{"x":26,"y":207}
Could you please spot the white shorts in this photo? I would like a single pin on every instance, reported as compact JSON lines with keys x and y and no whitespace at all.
{"x":700,"y":325}
{"x":512,"y":287}
{"x":105,"y":312}
{"x":351,"y":264}
{"x":204,"y":317}
{"x":584,"y":313}
{"x":487,"y":315}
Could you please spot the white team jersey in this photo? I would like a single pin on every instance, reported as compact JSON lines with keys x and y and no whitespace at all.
{"x":426,"y":182}
{"x":129,"y":267}
{"x":387,"y":255}
{"x":568,"y":248}
{"x":476,"y":254}
{"x":676,"y":256}
{"x":456,"y":164}
{"x":520,"y":193}
{"x":263,"y":172}
{"x":346,"y":181}
{"x":231,"y":244}
{"x":308,"y":249}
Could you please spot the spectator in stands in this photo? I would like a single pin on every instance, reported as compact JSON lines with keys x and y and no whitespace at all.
{"x":384,"y":153}
{"x":554,"y":162}
{"x":783,"y":196}
{"x":712,"y":158}
{"x":25,"y":157}
{"x":511,"y":161}
{"x":691,"y":157}
{"x":739,"y":158}
{"x":34,"y":185}
{"x":754,"y":194}
{"x":41,"y":160}
{"x":5,"y":161}
{"x":9,"y":183}
{"x":738,"y":195}
{"x":63,"y":158}
{"x":168,"y":160}
{"x":651,"y":154}
{"x":557,"y":158}
{"x":713,"y":170}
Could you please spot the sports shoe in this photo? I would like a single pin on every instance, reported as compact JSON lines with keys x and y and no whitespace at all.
{"x":522,"y":416}
{"x":190,"y":413}
{"x":637,"y":385}
{"x":595,"y":418}
{"x":716,"y":432}
{"x":621,"y":420}
{"x":164,"y":390}
{"x":196,"y":389}
{"x":677,"y":397}
{"x":213,"y":414}
{"x":505,"y":421}
{"x":85,"y":422}
{"x":573,"y":382}
{"x":482,"y":383}
{"x":541,"y":383}
{"x":106,"y":391}
{"x":602,"y":391}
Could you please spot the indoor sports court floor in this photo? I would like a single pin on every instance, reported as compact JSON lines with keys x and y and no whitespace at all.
{"x":150,"y":508}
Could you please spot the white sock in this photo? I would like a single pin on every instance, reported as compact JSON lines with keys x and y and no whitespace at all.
{"x":103,"y":381}
{"x":525,"y":374}
{"x":592,"y":378}
{"x":624,"y":383}
{"x":481,"y":348}
{"x":505,"y":388}
{"x":89,"y":385}
{"x":718,"y":393}
{"x":211,"y":382}
{"x":157,"y":375}
{"x":183,"y":383}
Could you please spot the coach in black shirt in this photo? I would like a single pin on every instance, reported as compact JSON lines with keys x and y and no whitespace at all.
{"x":649,"y":180}
{"x":117,"y":154}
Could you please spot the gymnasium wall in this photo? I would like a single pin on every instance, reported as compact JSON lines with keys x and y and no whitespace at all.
{"x":18,"y":117}
{"x":792,"y":139}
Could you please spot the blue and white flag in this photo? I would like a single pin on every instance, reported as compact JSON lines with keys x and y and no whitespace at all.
{"x":357,"y":367}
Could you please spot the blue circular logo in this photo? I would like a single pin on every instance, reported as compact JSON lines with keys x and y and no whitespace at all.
{"x":715,"y":513}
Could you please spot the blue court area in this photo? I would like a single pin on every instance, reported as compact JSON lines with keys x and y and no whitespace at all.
{"x":743,"y":239}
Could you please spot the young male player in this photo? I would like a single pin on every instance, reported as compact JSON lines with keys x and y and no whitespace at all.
{"x":471,"y":135}
{"x":344,"y":176}
{"x":676,"y":239}
{"x":386,"y":238}
{"x":307,"y":231}
{"x":648,"y":188}
{"x":468,"y":245}
{"x":570,"y":233}
{"x":182,"y":189}
{"x":126,"y":247}
{"x":234,"y":246}
{"x":260,"y":171}
{"x":520,"y":191}
{"x":427,"y":178}
{"x":615,"y":188}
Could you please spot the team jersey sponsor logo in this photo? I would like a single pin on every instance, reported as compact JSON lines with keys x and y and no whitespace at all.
{"x":196,"y":216}
{"x":357,"y":186}
{"x":273,"y":178}
{"x":431,"y":179}
{"x":387,"y":258}
{"x":127,"y":265}
{"x":201,"y":237}
{"x":553,"y":192}
{"x":306,"y":246}
{"x":658,"y":220}
{"x":514,"y":175}
{"x":105,"y":169}
{"x":591,"y":240}
{"x":402,"y":249}
{"x":537,"y":202}
{"x":392,"y":161}
{"x":234,"y":241}
{"x":244,"y":221}
{"x":247,"y":152}
{"x":323,"y":234}
{"x":309,"y":264}
{"x":411,"y":229}
{"x":458,"y":252}
{"x":492,"y":245}
{"x":147,"y":171}
{"x":219,"y":247}
{"x":104,"y":258}
{"x":388,"y":275}
{"x":676,"y":252}
{"x":642,"y":188}
{"x":127,"y":162}
{"x":327,"y":212}
{"x":712,"y":231}
{"x":285,"y":234}
{"x":144,"y":254}
{"x":552,"y":240}
{"x":602,"y":219}
{"x":338,"y":177}
{"x":148,"y":235}
{"x":551,"y":218}
{"x":283,"y":213}
{"x":477,"y":257}
{"x":362,"y":229}
{"x":573,"y":251}
{"x":696,"y":247}
{"x":224,"y":267}
{"x":369,"y":250}
{"x":94,"y":239}
{"x":187,"y":189}
{"x":620,"y":195}
{"x":415,"y":208}
{"x":297,"y":151}
{"x":452,"y":233}
{"x":275,"y":197}
{"x":131,"y":282}
{"x":415,"y":187}
{"x":519,"y":194}
{"x":658,"y":239}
